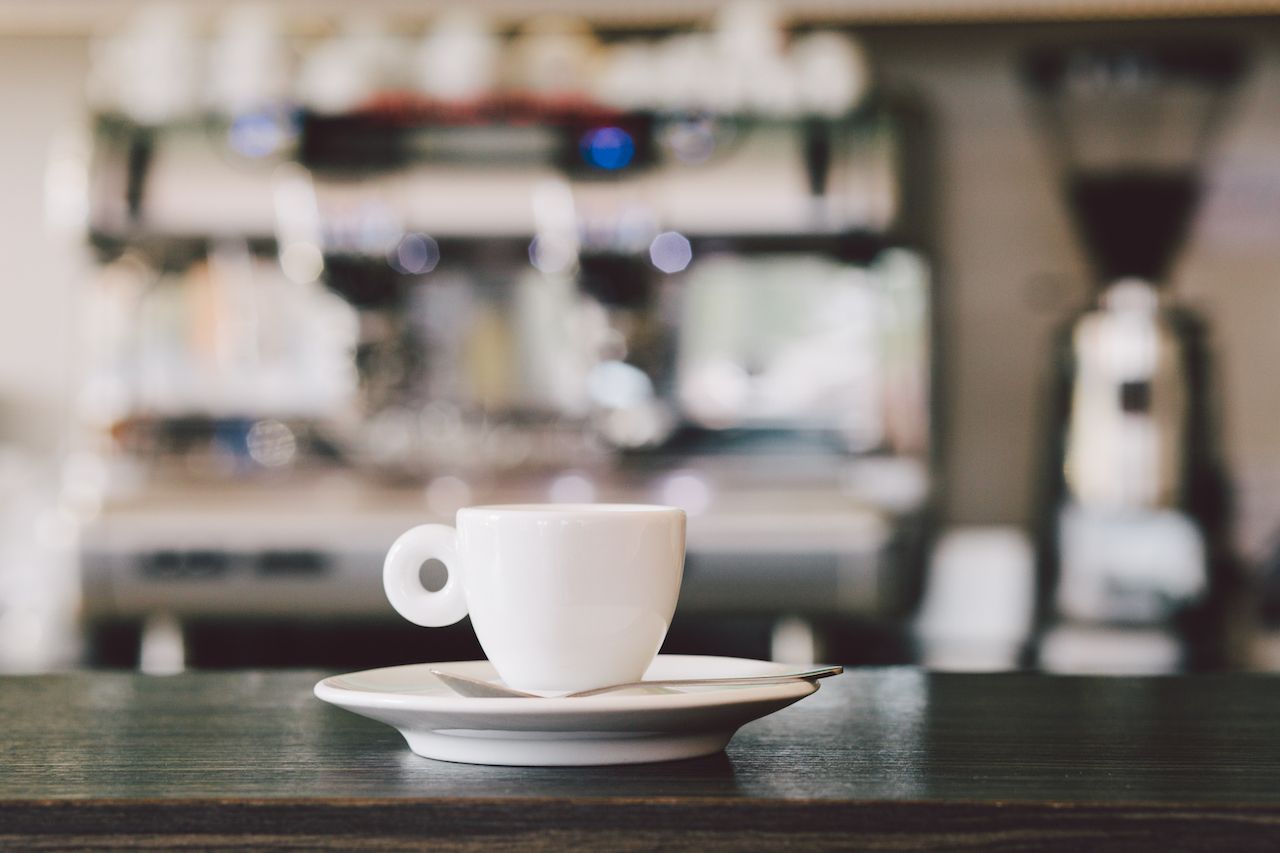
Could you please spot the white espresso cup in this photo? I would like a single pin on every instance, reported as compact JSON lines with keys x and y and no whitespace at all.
{"x":562,"y":597}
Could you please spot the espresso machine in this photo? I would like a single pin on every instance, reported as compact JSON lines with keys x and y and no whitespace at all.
{"x":1134,"y":560}
{"x":506,"y":268}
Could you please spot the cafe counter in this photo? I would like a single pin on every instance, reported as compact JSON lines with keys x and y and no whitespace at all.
{"x":877,"y":759}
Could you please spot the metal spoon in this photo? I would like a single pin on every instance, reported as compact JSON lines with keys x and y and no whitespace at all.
{"x":464,"y":685}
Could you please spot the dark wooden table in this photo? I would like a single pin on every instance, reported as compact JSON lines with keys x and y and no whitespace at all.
{"x":890,"y":759}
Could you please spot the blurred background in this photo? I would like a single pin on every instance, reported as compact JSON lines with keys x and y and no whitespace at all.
{"x":950,"y":324}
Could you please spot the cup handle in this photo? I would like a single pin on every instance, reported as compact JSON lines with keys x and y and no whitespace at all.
{"x":400,"y":576}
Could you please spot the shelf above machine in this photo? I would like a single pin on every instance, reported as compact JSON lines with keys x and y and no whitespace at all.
{"x":82,"y":17}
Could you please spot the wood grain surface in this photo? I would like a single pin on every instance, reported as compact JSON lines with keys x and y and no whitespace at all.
{"x":891,"y":759}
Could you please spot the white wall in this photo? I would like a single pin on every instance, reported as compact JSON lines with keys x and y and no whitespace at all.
{"x":41,"y":94}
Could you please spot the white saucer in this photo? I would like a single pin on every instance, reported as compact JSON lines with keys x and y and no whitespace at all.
{"x":630,"y":727}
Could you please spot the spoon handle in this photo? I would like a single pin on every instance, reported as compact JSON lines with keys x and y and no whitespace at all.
{"x":807,"y":675}
{"x":478,"y":688}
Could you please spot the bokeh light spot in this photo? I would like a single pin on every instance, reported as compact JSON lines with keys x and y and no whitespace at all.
{"x":271,"y":444}
{"x":608,"y":148}
{"x":670,"y":251}
{"x":571,"y":489}
{"x":415,"y":254}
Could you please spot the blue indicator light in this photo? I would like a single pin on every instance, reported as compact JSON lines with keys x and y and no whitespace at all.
{"x":608,"y":148}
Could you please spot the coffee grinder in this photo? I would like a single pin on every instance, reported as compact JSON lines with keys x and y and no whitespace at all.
{"x":1133,"y":554}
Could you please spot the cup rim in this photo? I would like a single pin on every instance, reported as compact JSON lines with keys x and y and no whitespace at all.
{"x":601,"y":509}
